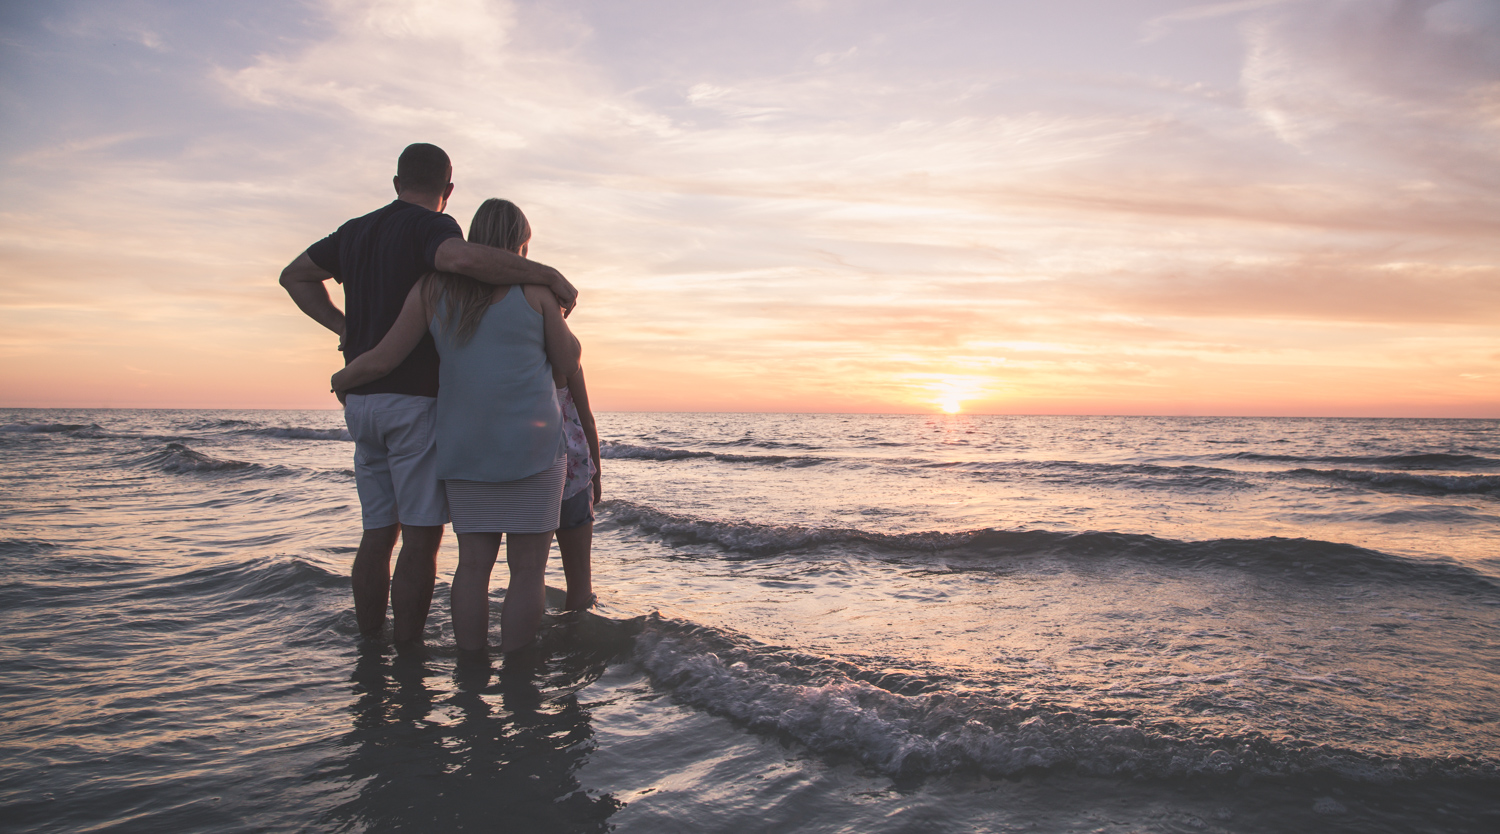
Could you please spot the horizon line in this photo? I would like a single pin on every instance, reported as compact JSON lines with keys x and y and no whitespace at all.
{"x":943,"y":414}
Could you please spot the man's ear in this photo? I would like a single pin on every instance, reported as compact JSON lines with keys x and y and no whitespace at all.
{"x":396,"y":184}
{"x":448,"y":192}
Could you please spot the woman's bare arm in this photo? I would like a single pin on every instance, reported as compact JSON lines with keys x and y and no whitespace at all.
{"x":580,"y":394}
{"x":398,"y":343}
{"x":561,"y":345}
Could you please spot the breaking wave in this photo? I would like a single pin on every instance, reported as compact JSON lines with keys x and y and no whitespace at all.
{"x":906,"y":723}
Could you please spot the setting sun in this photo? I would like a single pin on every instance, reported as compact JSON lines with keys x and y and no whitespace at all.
{"x":949,"y":393}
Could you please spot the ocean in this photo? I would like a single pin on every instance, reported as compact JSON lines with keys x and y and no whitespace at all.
{"x":806,"y":622}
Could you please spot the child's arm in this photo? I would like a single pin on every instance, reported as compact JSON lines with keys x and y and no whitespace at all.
{"x":399,"y":341}
{"x":586,"y":419}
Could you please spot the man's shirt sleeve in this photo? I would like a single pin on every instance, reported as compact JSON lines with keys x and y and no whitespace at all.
{"x":438,"y":228}
{"x":325,"y":253}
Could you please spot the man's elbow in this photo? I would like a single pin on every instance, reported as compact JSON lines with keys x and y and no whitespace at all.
{"x":297,"y":273}
{"x":454,"y":255}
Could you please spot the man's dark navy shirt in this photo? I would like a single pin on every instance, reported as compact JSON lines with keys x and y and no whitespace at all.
{"x":378,"y":258}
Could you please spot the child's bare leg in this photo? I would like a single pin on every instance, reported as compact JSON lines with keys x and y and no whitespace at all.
{"x":575,"y":544}
{"x":525,"y":597}
{"x":471,"y":589}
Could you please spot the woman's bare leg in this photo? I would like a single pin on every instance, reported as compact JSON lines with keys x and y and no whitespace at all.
{"x":471,"y":589}
{"x":575,"y":544}
{"x":525,"y":597}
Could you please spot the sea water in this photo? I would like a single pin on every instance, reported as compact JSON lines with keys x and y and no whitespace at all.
{"x":806,"y":623}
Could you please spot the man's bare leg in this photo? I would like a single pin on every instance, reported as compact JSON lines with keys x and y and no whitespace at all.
{"x":411,"y":586}
{"x":575,"y":544}
{"x":371,"y":578}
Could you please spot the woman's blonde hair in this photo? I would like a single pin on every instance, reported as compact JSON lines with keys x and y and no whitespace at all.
{"x":497,"y":223}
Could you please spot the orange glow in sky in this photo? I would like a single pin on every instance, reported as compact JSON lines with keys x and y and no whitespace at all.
{"x":1172,"y":208}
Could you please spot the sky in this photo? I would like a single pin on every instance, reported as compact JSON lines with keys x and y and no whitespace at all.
{"x":1253,"y":207}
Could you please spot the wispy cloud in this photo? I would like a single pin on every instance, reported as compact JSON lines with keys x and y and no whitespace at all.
{"x":1162,"y":25}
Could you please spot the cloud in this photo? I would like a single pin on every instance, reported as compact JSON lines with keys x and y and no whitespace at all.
{"x":852,"y":210}
{"x":1159,"y":27}
{"x":1356,"y":73}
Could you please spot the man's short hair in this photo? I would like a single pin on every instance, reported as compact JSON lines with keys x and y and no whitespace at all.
{"x":424,"y":168}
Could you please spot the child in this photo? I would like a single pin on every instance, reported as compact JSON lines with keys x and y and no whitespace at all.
{"x":575,"y":529}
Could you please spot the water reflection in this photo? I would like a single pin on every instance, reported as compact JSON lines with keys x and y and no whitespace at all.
{"x":437,"y":744}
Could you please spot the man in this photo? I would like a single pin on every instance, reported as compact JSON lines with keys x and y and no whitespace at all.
{"x":378,"y":257}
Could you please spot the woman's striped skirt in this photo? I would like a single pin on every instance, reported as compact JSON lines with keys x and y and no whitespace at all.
{"x":528,"y":505}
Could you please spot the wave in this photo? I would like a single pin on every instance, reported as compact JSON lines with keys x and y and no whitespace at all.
{"x":766,"y":444}
{"x":909,"y":724}
{"x":992,"y":549}
{"x":25,"y":547}
{"x":46,"y":428}
{"x":1415,"y":460}
{"x":209,"y":423}
{"x":612,"y":450}
{"x":82,"y":431}
{"x":258,"y":580}
{"x":297,"y":433}
{"x":180,"y":459}
{"x":1190,"y":478}
{"x":1404,"y":482}
{"x":626,"y":451}
{"x":766,"y":540}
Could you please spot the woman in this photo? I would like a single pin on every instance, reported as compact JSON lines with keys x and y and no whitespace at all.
{"x":500,"y":447}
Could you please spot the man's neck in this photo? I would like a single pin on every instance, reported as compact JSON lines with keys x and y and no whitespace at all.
{"x":431,"y":202}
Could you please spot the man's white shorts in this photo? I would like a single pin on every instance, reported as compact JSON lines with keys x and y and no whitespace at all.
{"x":395,"y":459}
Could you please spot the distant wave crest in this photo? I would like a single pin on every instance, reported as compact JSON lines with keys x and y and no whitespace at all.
{"x":1189,"y":478}
{"x":1407,"y":482}
{"x":1424,"y":460}
{"x":627,"y":451}
{"x":45,"y":428}
{"x":1306,"y":559}
{"x":765,"y":540}
{"x":298,"y":433}
{"x":209,"y":423}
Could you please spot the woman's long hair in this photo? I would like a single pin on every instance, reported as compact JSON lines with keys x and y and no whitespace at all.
{"x":497,"y":223}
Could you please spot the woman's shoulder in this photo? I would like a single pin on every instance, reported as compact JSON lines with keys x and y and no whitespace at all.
{"x":539,"y":297}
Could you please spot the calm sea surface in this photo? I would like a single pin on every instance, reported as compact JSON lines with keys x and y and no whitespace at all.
{"x":824,"y":623}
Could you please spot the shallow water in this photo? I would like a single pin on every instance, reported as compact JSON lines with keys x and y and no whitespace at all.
{"x":807,"y":622}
